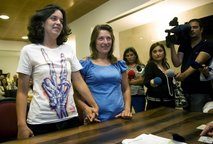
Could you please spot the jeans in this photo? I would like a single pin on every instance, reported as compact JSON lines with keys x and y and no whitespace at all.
{"x":196,"y":101}
{"x":138,"y":103}
{"x":155,"y":104}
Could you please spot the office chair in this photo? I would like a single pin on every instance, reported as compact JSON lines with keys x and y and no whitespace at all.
{"x":8,"y":119}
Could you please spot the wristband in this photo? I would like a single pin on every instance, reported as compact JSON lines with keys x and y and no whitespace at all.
{"x":196,"y":65}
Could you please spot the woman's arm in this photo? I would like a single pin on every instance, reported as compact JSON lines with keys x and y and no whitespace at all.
{"x":21,"y":107}
{"x":177,"y":57}
{"x":84,"y":94}
{"x":85,"y":110}
{"x":201,"y":59}
{"x":126,"y":113}
{"x":149,"y":75}
{"x":138,"y":81}
{"x":2,"y":91}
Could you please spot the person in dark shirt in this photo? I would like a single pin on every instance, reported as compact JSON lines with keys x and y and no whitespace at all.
{"x":197,"y":92}
{"x":159,"y":86}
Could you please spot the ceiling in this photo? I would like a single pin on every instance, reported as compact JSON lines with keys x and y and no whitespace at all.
{"x":20,"y":12}
{"x":163,"y":10}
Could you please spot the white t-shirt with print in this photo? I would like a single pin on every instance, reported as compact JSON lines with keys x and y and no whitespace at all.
{"x":51,"y":70}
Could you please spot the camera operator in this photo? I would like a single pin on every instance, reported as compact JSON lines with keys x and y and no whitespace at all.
{"x":191,"y":56}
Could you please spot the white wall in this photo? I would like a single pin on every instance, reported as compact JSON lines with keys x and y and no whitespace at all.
{"x":141,"y":37}
{"x":83,"y":26}
{"x":9,"y":55}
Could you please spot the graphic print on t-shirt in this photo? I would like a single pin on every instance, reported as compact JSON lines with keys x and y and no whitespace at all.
{"x":57,"y":92}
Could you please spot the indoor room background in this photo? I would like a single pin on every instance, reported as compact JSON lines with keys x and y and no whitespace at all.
{"x":113,"y":12}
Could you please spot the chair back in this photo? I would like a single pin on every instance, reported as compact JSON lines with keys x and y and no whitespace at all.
{"x":8,"y":119}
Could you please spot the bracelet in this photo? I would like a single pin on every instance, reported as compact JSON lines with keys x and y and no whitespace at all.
{"x":196,"y":65}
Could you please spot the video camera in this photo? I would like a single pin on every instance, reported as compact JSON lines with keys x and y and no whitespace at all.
{"x":178,"y":34}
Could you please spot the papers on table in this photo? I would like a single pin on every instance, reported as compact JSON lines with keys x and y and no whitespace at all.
{"x":206,"y":139}
{"x":201,"y":127}
{"x":153,"y":139}
{"x":150,"y":139}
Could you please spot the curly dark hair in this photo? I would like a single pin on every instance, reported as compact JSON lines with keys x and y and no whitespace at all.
{"x":36,"y":30}
{"x":164,"y":60}
{"x":94,"y":36}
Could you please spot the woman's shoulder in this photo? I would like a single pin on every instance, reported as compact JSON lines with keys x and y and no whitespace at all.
{"x":87,"y":65}
{"x":122,"y":65}
{"x":67,"y":46}
{"x":29,"y":47}
{"x":150,"y":67}
{"x":151,"y":64}
{"x":121,"y":62}
{"x":85,"y":61}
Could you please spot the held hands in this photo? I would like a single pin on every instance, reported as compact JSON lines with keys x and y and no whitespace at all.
{"x":24,"y":132}
{"x":91,"y":114}
{"x":125,"y":114}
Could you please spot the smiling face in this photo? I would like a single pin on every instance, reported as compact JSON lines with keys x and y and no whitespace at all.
{"x":53,"y":25}
{"x":104,"y":42}
{"x":158,"y":53}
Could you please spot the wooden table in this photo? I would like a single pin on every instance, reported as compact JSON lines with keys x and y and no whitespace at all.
{"x":161,"y":122}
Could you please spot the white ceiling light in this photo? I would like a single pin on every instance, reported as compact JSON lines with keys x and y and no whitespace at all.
{"x":24,"y":37}
{"x":5,"y":17}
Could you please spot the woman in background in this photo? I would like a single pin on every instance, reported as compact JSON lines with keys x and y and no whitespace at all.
{"x":159,"y":86}
{"x":135,"y":76}
{"x":2,"y":92}
{"x":106,"y":76}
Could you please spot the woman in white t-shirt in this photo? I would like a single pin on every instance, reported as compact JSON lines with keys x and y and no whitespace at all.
{"x":54,"y":69}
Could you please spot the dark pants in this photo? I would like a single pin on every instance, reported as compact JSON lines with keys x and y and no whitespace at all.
{"x":52,"y":127}
{"x":138,"y":103}
{"x":154,"y":104}
{"x":195,"y":102}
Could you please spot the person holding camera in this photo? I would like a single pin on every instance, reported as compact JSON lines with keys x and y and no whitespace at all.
{"x":191,"y":56}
